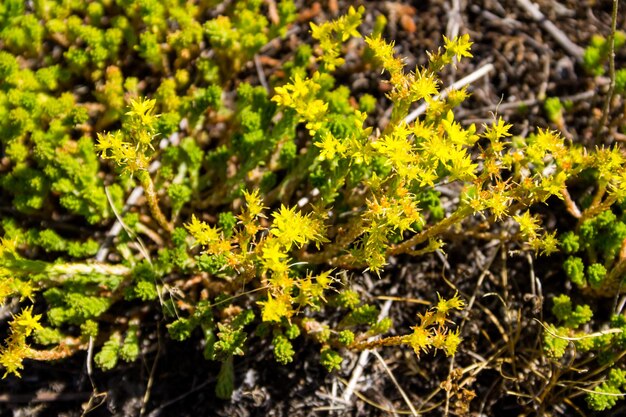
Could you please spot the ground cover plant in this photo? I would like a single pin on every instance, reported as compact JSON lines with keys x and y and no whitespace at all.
{"x":193,"y":185}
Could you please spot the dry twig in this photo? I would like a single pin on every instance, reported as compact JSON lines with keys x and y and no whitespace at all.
{"x":363,"y":358}
{"x":558,"y":35}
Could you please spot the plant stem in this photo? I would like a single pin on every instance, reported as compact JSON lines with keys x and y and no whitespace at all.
{"x":609,"y":95}
{"x":595,"y":209}
{"x":431,"y":232}
{"x":153,"y":201}
{"x":346,"y":234}
{"x":57,"y":270}
{"x":65,"y":349}
{"x":570,"y":204}
{"x":387,"y":341}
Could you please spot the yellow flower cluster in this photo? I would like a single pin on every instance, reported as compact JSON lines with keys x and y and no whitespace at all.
{"x":131,"y":149}
{"x":245,"y":250}
{"x":432,"y":330}
{"x":16,"y":349}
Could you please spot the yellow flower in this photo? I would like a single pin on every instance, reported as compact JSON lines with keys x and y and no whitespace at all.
{"x":26,"y":321}
{"x":142,"y":110}
{"x":445,"y":306}
{"x":459,"y":46}
{"x":528,"y":224}
{"x":274,"y":258}
{"x":424,"y":85}
{"x":254,"y":203}
{"x":498,"y":129}
{"x":203,"y":233}
{"x":420,"y":340}
{"x":11,"y":359}
{"x":274,"y":309}
{"x":452,"y":342}
{"x":292,"y":228}
{"x":329,"y":147}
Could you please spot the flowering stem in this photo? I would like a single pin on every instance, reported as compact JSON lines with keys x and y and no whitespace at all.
{"x":56,"y":271}
{"x":595,"y":209}
{"x":153,"y":202}
{"x":431,"y":232}
{"x":387,"y":341}
{"x":570,"y":205}
{"x":65,"y":349}
{"x":345,"y":236}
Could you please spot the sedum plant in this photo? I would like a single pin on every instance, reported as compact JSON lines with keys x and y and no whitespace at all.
{"x":237,"y":37}
{"x":599,"y":242}
{"x":574,"y":346}
{"x":597,"y":52}
{"x":595,"y":247}
{"x":262,"y":196}
{"x":595,"y":265}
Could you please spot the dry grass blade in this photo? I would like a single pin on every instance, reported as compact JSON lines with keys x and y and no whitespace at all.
{"x":363,"y":358}
{"x":405,"y":397}
{"x":382,"y":407}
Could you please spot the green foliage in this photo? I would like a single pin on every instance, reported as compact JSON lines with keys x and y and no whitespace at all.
{"x":180,"y":329}
{"x":606,"y":395}
{"x":129,"y":351}
{"x":574,"y":268}
{"x":254,"y":199}
{"x":48,"y":336}
{"x":74,"y":307}
{"x":292,"y":331}
{"x":620,"y":81}
{"x":225,"y":380}
{"x":367,"y":103}
{"x":365,"y":314}
{"x":109,"y":354}
{"x":346,"y":337}
{"x":89,"y":329}
{"x":237,"y":37}
{"x":330,"y":359}
{"x":227,"y":222}
{"x":144,"y":283}
{"x":596,"y":274}
{"x":283,"y":349}
{"x":570,"y":317}
{"x":597,"y":52}
{"x":554,"y":110}
{"x":554,"y":342}
{"x":348,"y":299}
{"x":606,"y":346}
{"x":557,"y":339}
{"x":381,"y":327}
{"x":49,"y":240}
{"x":598,"y":239}
{"x":570,"y":243}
